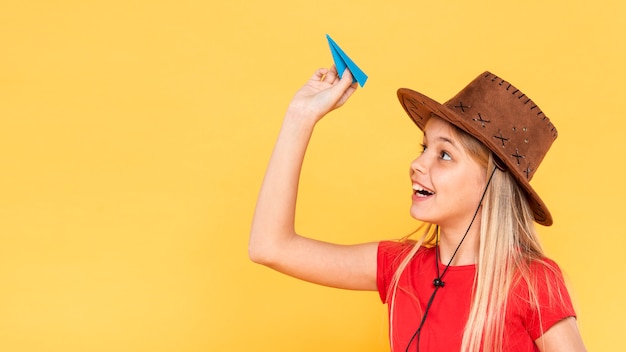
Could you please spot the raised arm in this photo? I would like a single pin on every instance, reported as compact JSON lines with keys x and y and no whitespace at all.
{"x":273,"y":240}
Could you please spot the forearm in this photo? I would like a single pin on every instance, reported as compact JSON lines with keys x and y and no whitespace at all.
{"x":273,"y":222}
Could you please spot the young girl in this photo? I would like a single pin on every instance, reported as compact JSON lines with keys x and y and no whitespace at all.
{"x":476,"y":278}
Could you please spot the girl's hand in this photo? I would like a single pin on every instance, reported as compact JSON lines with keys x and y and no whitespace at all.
{"x":324,"y":92}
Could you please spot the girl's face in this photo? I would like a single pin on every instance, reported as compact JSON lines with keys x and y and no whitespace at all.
{"x":447,"y":181}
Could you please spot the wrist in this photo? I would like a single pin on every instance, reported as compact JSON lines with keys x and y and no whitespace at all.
{"x":300,"y":120}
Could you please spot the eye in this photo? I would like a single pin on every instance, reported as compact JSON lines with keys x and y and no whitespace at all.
{"x":424,"y":147}
{"x":445,"y":156}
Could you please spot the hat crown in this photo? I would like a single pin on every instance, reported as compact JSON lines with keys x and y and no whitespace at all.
{"x":507,"y":121}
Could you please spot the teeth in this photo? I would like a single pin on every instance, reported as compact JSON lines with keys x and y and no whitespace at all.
{"x":421,"y":190}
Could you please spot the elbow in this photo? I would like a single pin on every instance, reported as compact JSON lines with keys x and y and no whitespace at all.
{"x":259,"y":253}
{"x":268,"y":247}
{"x":268,"y":252}
{"x":256,"y":255}
{"x":261,"y":256}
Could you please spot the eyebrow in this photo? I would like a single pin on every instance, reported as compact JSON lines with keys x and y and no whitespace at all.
{"x":443,"y":139}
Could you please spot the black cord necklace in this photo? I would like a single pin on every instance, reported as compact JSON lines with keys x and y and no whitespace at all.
{"x":438,"y":281}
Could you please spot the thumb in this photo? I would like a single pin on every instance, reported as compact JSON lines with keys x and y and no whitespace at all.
{"x":343,"y":89}
{"x":343,"y":84}
{"x":347,"y":76}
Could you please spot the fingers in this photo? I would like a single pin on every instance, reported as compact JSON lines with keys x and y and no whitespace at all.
{"x":339,"y":89}
{"x":319,"y":74}
{"x":343,"y":89}
{"x":331,"y":76}
{"x":333,"y":70}
{"x":326,"y":75}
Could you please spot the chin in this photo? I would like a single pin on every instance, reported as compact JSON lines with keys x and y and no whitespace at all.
{"x":420,"y":216}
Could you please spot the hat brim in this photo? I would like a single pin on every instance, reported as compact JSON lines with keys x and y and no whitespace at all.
{"x":420,"y":108}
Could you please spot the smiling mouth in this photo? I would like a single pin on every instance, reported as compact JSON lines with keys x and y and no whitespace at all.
{"x":421,"y":191}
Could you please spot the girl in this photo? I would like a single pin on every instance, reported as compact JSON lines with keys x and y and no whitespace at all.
{"x":476,"y":278}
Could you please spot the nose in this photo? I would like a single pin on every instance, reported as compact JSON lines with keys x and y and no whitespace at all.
{"x":417,"y":165}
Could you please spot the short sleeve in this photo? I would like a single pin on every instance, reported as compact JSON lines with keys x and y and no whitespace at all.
{"x":389,"y":257}
{"x":554,"y":302}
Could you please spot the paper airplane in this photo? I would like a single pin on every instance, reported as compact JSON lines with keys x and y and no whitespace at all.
{"x":342,"y":61}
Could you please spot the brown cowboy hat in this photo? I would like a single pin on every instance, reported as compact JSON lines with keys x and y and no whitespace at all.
{"x":501,"y":117}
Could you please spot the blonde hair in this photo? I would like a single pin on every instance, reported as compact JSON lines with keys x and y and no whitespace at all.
{"x":507,"y":247}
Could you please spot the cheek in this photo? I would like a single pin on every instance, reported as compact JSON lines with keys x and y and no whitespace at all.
{"x":462,"y":187}
{"x":475,"y":188}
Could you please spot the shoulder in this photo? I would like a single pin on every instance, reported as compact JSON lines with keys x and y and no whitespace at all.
{"x":394,"y":251}
{"x":544,"y":274}
{"x":540,"y":293}
{"x":539,"y":277}
{"x":545,"y":264}
{"x":394,"y":247}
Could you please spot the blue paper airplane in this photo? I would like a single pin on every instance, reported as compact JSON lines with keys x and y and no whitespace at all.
{"x":342,"y":61}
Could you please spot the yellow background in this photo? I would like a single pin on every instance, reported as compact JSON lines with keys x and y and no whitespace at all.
{"x":134,"y":136}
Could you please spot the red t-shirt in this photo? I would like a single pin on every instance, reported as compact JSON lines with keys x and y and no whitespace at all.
{"x":443,"y":329}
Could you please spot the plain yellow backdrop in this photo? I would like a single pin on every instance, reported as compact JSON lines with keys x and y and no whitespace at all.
{"x":134,"y":137}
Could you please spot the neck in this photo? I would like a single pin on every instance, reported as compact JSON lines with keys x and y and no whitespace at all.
{"x":449,"y":240}
{"x":458,"y":245}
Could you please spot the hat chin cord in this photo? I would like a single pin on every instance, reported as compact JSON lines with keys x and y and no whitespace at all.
{"x":438,"y":281}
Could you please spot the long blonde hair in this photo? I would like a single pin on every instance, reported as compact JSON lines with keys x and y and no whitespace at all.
{"x":508,"y":245}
